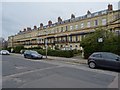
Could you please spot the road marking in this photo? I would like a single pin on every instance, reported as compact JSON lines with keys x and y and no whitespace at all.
{"x":20,"y":67}
{"x":114,"y":84}
{"x":74,"y":65}
{"x":27,"y":72}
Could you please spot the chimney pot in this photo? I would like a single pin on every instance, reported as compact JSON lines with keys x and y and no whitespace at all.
{"x":59,"y":19}
{"x":24,"y":29}
{"x":49,"y":22}
{"x":28,"y":28}
{"x":88,"y":12}
{"x":110,"y":7}
{"x":72,"y":16}
{"x":35,"y":27}
{"x":41,"y":25}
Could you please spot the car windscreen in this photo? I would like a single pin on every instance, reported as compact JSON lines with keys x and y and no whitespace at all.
{"x":96,"y":55}
{"x":4,"y":51}
{"x":34,"y":52}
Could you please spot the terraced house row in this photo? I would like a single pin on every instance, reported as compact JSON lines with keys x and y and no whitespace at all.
{"x":65,"y":34}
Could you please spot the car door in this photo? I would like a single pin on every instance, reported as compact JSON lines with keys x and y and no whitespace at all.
{"x":98,"y":59}
{"x":28,"y":54}
{"x":111,"y":60}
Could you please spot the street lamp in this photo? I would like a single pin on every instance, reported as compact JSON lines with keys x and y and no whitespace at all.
{"x":46,"y":43}
{"x":100,"y":41}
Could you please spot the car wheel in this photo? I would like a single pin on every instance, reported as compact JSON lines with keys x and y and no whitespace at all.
{"x":25,"y":56}
{"x":92,"y":65}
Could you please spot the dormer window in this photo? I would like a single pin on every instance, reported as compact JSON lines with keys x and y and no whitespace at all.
{"x":96,"y":14}
{"x":89,"y":15}
{"x":104,"y":12}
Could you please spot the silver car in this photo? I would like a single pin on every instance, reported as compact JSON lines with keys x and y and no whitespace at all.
{"x":4,"y":52}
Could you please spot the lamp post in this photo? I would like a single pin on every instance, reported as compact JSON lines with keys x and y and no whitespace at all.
{"x":46,"y":43}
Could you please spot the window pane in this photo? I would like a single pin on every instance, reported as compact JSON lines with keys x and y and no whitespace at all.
{"x":109,"y":56}
{"x":95,"y":22}
{"x":82,"y":25}
{"x":71,"y":27}
{"x":76,"y":26}
{"x":103,"y":21}
{"x":97,"y":55}
{"x":88,"y":24}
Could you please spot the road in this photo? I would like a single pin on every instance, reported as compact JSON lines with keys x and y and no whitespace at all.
{"x":18,"y":72}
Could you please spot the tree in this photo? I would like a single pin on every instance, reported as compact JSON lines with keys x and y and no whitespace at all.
{"x":17,"y":49}
{"x":110,"y":42}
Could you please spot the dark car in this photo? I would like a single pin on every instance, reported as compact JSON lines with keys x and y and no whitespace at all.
{"x":104,"y":59}
{"x":32,"y":54}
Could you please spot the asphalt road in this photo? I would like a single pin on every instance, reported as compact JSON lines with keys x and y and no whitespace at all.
{"x":18,"y":72}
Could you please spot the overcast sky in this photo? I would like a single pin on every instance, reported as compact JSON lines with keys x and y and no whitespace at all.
{"x":18,"y":15}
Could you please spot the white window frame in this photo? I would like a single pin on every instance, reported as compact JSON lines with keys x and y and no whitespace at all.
{"x":82,"y":25}
{"x":88,"y":24}
{"x":104,"y":21}
{"x":76,"y":27}
{"x":89,"y":15}
{"x":71,"y":27}
{"x":96,"y":14}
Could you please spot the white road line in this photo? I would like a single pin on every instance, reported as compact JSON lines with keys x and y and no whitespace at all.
{"x":74,"y":65}
{"x":114,"y":84}
{"x":27,"y":72}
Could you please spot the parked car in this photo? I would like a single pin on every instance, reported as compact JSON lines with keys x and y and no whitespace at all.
{"x":32,"y":54}
{"x":4,"y":52}
{"x":104,"y":59}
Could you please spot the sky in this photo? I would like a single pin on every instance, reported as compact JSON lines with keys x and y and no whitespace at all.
{"x":19,"y":15}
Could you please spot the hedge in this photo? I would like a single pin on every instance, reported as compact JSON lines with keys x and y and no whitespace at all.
{"x":50,"y":52}
{"x":59,"y":53}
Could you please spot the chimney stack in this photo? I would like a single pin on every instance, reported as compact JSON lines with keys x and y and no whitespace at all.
{"x":59,"y":19}
{"x":88,"y":12}
{"x":28,"y":29}
{"x":41,"y":25}
{"x":49,"y":22}
{"x":72,"y":16}
{"x":24,"y":30}
{"x":35,"y":27}
{"x":110,"y":7}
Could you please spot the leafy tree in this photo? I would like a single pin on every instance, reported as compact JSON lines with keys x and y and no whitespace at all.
{"x":17,"y":49}
{"x":110,"y":43}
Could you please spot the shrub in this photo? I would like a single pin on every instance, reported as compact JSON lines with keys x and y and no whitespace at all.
{"x":59,"y":53}
{"x":9,"y":49}
{"x":17,"y":49}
